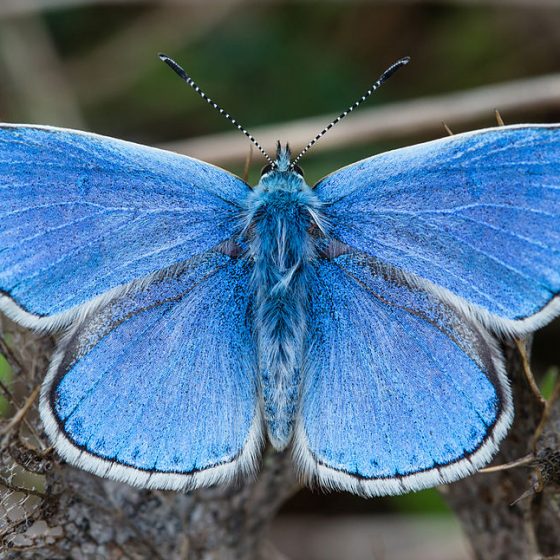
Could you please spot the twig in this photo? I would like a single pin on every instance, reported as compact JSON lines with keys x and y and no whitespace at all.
{"x":7,"y":352}
{"x":19,"y":416}
{"x":23,"y":489}
{"x":499,"y":119}
{"x":390,"y":121}
{"x":9,"y":395}
{"x":528,"y":372}
{"x":447,"y":129}
{"x":14,"y":363}
{"x":247,"y":165}
{"x":522,"y":462}
{"x":548,"y":404}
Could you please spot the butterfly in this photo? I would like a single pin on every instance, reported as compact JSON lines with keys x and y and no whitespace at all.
{"x":356,"y":323}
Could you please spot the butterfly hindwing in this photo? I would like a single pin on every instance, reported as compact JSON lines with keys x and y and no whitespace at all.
{"x":401,"y":392}
{"x":158,"y":387}
{"x":477,"y":214}
{"x":91,"y":213}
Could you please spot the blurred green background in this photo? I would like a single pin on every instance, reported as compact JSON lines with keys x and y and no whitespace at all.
{"x":93,"y":65}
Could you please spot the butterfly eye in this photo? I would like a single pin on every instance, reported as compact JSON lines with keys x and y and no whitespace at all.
{"x":297,"y":169}
{"x":267,"y":169}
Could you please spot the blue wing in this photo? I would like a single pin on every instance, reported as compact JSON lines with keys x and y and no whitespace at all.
{"x":158,"y":387}
{"x":401,"y":391}
{"x":477,"y":214}
{"x":81,"y":214}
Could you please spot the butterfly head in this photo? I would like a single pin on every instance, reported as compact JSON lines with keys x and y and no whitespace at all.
{"x":282,"y":170}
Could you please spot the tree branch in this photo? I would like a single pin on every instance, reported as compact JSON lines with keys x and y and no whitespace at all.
{"x":393,"y":120}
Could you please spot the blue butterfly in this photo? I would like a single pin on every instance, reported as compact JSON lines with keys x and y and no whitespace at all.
{"x":356,"y":322}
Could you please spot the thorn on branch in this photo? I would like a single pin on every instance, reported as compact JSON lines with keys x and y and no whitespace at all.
{"x":499,"y":119}
{"x":447,"y":129}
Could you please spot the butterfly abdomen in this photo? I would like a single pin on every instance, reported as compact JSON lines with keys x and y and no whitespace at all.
{"x":283,"y":250}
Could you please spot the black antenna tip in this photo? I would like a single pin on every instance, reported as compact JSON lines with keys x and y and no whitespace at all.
{"x":169,"y":61}
{"x":186,"y":78}
{"x":174,"y":66}
{"x":393,"y":68}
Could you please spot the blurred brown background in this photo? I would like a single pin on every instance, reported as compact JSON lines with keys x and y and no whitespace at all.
{"x":284,"y":69}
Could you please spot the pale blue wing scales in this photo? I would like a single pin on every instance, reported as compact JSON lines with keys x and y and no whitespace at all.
{"x":477,"y":214}
{"x":159,"y":388}
{"x":82,"y":214}
{"x":401,"y":391}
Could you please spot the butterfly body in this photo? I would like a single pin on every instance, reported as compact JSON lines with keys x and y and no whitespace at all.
{"x":282,"y":211}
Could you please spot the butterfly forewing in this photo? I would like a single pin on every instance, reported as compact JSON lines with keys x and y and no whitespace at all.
{"x":92,"y":213}
{"x":477,"y":215}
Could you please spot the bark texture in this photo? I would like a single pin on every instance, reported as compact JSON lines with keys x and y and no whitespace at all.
{"x":52,"y":511}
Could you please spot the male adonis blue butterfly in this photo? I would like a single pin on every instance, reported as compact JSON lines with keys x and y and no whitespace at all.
{"x":355,"y":322}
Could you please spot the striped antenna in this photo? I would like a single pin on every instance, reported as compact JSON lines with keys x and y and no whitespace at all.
{"x":383,"y":78}
{"x":186,"y":78}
